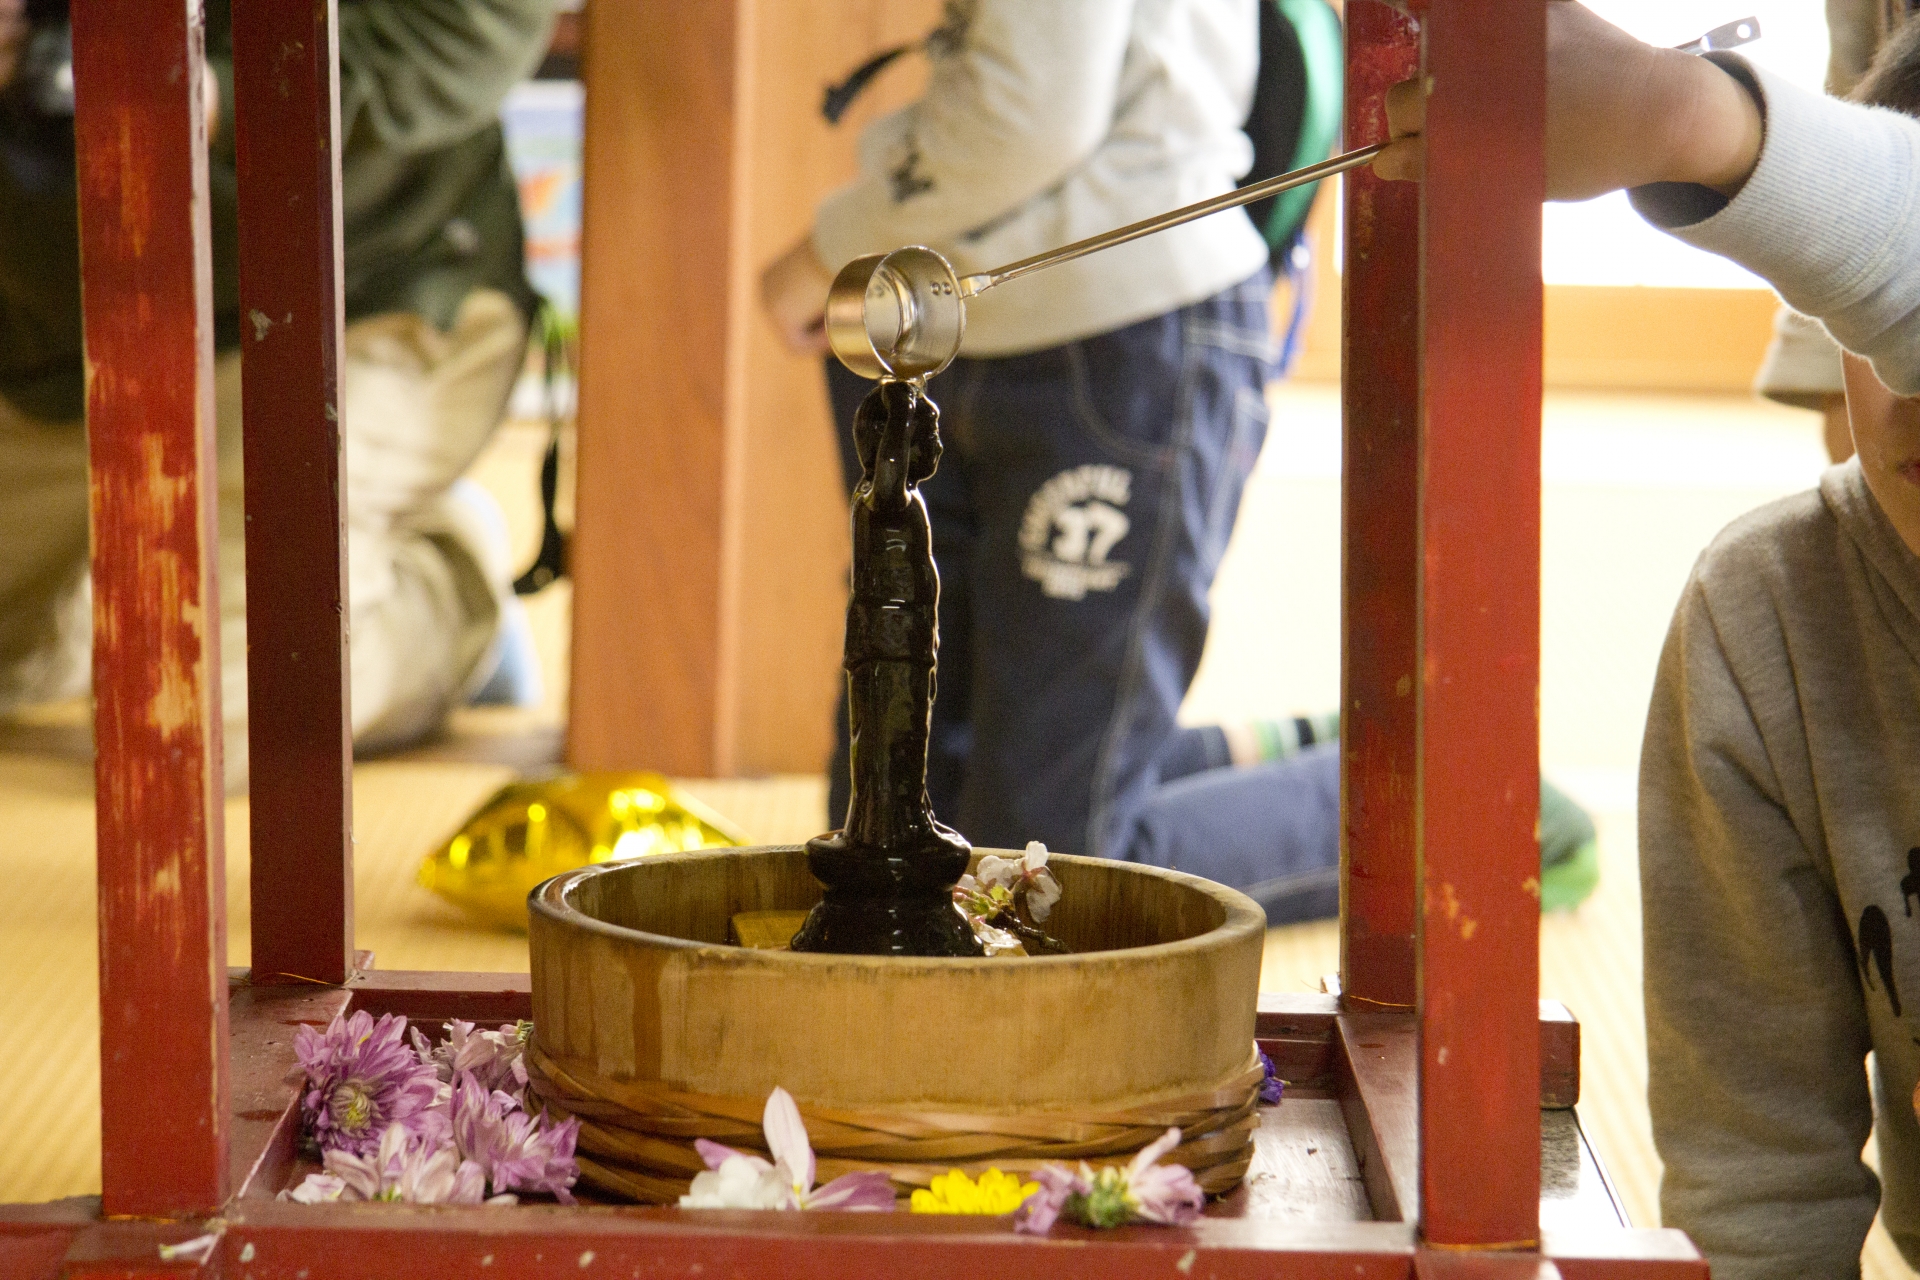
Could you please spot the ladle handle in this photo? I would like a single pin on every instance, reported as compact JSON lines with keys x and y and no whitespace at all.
{"x":982,"y":281}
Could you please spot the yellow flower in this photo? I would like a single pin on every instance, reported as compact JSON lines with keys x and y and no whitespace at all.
{"x":954,"y":1192}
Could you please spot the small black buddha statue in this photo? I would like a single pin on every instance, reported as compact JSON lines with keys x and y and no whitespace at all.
{"x":889,"y":874}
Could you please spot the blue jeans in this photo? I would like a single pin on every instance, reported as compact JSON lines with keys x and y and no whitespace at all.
{"x":1079,"y":514}
{"x":1270,"y":830}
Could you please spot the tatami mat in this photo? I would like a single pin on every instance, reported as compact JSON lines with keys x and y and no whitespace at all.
{"x":50,"y":1084}
{"x":1634,"y":486}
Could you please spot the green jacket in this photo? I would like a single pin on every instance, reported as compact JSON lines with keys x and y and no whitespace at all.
{"x":429,"y":206}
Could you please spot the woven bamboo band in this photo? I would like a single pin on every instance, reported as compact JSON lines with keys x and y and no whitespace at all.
{"x":636,"y":1138}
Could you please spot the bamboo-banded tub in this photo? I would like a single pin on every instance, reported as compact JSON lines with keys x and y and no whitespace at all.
{"x":655,"y":1032}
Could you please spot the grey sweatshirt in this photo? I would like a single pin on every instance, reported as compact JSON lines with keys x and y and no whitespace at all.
{"x":1045,"y":123}
{"x":1780,"y":838}
{"x":1779,"y":819}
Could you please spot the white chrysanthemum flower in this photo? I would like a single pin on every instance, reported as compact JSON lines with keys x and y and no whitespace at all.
{"x":1043,"y":890}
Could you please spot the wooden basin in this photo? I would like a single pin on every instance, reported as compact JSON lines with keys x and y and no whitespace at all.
{"x":643,"y":1014}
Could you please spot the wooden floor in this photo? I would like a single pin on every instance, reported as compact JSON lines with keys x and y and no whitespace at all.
{"x":1634,"y":487}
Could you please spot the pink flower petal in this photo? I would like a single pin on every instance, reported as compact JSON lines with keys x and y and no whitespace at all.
{"x":995,"y":870}
{"x":1038,"y":1212}
{"x":787,"y":1137}
{"x":1041,"y":895}
{"x":196,"y":1250}
{"x":716,"y":1155}
{"x":318,"y":1188}
{"x":1152,"y":1152}
{"x":711,"y":1153}
{"x":868,"y":1189}
{"x":1167,"y":1194}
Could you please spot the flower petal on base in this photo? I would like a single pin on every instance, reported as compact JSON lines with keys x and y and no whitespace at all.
{"x":996,"y":1194}
{"x":787,"y":1139}
{"x":1038,"y":1212}
{"x":716,"y":1154}
{"x":1151,"y":1152}
{"x":318,"y":1188}
{"x":1273,"y":1087}
{"x":196,"y":1250}
{"x":1168,"y":1195}
{"x":866,"y":1189}
{"x":738,"y":1184}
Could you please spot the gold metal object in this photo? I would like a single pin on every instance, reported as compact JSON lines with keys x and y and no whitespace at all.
{"x":766,"y":930}
{"x":529,"y":831}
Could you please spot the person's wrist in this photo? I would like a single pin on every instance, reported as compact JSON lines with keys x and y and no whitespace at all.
{"x":1722,"y":130}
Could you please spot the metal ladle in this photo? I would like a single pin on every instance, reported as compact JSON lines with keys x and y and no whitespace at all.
{"x":902,"y":314}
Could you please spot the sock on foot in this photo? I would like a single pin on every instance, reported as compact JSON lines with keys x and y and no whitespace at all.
{"x":1569,"y":851}
{"x":1260,"y":741}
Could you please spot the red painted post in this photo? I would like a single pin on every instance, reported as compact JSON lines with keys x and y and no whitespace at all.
{"x":1380,"y":536}
{"x":1480,"y":618}
{"x":286,"y":117}
{"x":147,"y":287}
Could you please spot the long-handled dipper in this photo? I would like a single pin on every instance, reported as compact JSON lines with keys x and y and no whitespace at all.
{"x":901,"y":314}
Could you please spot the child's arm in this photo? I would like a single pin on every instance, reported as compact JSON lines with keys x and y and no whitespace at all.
{"x":1756,"y":1026}
{"x":1820,"y":198}
{"x":1620,"y":113}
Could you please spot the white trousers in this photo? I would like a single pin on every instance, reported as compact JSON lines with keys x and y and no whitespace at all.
{"x":428,"y":568}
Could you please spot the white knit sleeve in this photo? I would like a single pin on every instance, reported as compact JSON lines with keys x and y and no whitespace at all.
{"x":1830,"y":217}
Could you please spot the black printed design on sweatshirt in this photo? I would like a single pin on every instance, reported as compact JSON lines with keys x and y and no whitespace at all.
{"x":956,"y":19}
{"x":1875,"y":945}
{"x":906,"y":179}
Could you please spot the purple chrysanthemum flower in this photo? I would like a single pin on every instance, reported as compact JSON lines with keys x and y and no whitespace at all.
{"x":1273,"y":1086}
{"x":1144,"y":1191}
{"x":1163,"y":1193}
{"x":496,"y":1058}
{"x":1058,"y":1183}
{"x":362,"y":1079}
{"x":406,"y":1167}
{"x":517,"y":1151}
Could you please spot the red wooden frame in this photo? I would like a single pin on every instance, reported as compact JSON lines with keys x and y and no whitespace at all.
{"x":1380,"y":542}
{"x":287,"y":150}
{"x":148,"y":291}
{"x":1478,"y":678}
{"x":1437,"y":1052}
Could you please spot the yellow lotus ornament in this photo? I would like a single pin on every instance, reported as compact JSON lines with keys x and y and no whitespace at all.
{"x":530,"y":831}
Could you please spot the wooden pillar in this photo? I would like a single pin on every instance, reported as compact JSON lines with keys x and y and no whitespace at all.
{"x":140,"y":133}
{"x":655,"y":553}
{"x":286,"y":117}
{"x":1380,"y":538}
{"x":1480,"y":297}
{"x":710,"y":545}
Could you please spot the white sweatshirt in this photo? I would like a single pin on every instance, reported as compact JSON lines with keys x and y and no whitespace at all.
{"x":1046,"y":121}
